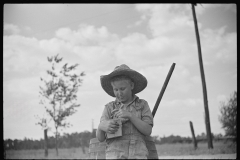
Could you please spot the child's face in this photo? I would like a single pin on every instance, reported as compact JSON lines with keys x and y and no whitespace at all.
{"x":123,"y":90}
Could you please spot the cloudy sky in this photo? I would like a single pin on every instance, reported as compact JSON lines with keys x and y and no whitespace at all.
{"x":146,"y":37}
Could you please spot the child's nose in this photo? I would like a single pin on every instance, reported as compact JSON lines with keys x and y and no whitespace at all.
{"x":119,"y":92}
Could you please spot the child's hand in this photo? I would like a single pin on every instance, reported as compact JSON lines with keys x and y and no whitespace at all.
{"x":113,"y":112}
{"x":123,"y":114}
{"x":109,"y":126}
{"x":113,"y":115}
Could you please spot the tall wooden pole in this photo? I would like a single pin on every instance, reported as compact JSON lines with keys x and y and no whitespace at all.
{"x":208,"y":128}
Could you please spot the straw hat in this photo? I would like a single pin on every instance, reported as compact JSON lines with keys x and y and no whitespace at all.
{"x":140,"y":82}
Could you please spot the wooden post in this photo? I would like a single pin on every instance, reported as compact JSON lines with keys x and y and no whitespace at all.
{"x":94,"y":133}
{"x":56,"y":142}
{"x":93,"y":130}
{"x":81,"y":140}
{"x":208,"y":127}
{"x":92,"y":124}
{"x":193,"y":135}
{"x":45,"y":143}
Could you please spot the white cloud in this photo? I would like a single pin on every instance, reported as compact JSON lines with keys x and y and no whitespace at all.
{"x":218,"y":45}
{"x":11,"y":28}
{"x":139,"y":22}
{"x":188,"y":102}
{"x":201,"y":8}
{"x":22,"y":86}
{"x":175,"y":24}
{"x":179,"y":81}
{"x":86,"y":35}
{"x":21,"y":54}
{"x":98,"y":51}
{"x":164,"y":20}
{"x":193,"y":102}
{"x":221,"y":98}
{"x":54,"y":45}
{"x":107,"y":47}
{"x":196,"y":79}
{"x":95,"y":57}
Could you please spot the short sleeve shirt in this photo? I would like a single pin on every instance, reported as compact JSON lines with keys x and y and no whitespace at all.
{"x":137,"y":104}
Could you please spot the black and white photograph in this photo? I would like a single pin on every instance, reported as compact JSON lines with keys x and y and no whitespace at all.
{"x":120,"y":80}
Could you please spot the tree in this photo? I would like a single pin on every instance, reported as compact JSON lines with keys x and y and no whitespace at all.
{"x":228,"y":117}
{"x":59,"y":93}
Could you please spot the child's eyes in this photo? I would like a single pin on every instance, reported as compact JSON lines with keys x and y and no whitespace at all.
{"x":119,"y":89}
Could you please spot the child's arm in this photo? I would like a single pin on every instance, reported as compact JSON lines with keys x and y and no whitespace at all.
{"x":142,"y":126}
{"x":106,"y":126}
{"x":100,"y":134}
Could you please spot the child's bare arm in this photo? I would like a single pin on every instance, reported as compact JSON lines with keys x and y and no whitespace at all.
{"x":100,"y":135}
{"x":142,"y":126}
{"x":106,"y":126}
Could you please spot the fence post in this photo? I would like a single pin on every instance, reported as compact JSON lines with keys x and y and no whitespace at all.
{"x":45,"y":143}
{"x":93,"y":135}
{"x":193,"y":135}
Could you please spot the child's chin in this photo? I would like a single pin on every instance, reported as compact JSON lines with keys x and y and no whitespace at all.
{"x":121,"y":99}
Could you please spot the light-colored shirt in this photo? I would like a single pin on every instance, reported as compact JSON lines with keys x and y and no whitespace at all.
{"x":136,"y":104}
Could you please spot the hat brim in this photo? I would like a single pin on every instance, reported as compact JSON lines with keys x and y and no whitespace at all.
{"x":140,"y":82}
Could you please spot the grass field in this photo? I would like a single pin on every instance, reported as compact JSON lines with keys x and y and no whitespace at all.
{"x":163,"y":150}
{"x":188,"y":149}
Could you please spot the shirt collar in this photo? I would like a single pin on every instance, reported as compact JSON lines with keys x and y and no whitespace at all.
{"x":117,"y":102}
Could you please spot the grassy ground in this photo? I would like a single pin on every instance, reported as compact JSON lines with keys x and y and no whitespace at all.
{"x":163,"y":150}
{"x":71,"y":153}
{"x":188,"y":149}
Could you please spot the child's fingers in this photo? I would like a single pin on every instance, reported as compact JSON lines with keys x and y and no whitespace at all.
{"x":114,"y":111}
{"x":116,"y":114}
{"x":114,"y":123}
{"x":112,"y":129}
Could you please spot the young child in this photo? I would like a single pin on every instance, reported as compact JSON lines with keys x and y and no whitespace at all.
{"x":134,"y":113}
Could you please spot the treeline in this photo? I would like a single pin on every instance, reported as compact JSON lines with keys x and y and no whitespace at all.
{"x":172,"y":139}
{"x":82,"y":139}
{"x":199,"y":138}
{"x":65,"y":141}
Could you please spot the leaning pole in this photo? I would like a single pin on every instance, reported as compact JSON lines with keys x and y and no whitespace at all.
{"x":207,"y":120}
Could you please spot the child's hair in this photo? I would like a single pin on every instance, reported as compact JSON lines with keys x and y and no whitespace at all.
{"x":121,"y":77}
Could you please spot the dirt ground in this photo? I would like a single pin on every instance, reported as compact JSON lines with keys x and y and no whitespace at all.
{"x":214,"y":156}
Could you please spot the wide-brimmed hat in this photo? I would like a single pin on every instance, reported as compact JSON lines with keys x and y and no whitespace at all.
{"x":140,"y":82}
